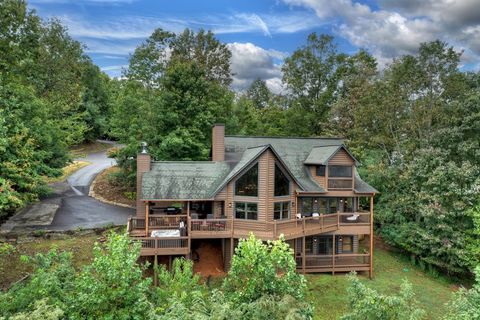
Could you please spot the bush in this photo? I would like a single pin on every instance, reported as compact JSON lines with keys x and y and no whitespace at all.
{"x":112,"y":287}
{"x":41,"y":311}
{"x":260,"y":269}
{"x":366,"y":303}
{"x":466,"y":303}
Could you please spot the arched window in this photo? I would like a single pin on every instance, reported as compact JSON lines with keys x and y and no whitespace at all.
{"x":282,"y":184}
{"x":247,"y":185}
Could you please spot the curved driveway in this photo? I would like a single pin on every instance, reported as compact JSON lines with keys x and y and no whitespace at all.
{"x":69,"y":207}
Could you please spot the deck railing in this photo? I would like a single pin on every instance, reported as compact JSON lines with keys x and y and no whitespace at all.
{"x":170,"y":245}
{"x":305,"y":226}
{"x":354,"y":218}
{"x":229,"y":227}
{"x":330,"y":262}
{"x":210,"y":224}
{"x":166,"y":221}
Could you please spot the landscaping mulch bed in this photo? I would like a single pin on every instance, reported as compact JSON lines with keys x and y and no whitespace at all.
{"x":102,"y":188}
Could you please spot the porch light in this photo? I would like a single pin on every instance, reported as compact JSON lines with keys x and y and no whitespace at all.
{"x":230,"y":205}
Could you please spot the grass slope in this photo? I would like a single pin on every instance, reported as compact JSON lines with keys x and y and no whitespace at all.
{"x":329,"y":293}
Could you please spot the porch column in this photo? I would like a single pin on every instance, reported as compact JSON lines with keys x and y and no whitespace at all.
{"x":371,"y":237}
{"x":147,"y":211}
{"x":188,"y":208}
{"x":303,"y":255}
{"x":333,"y":254}
{"x":155,"y":269}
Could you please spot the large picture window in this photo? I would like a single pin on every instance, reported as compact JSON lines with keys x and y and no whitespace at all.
{"x":282,"y":184}
{"x":281,"y":210}
{"x":340,"y":171}
{"x":246,"y":210}
{"x":247,"y":184}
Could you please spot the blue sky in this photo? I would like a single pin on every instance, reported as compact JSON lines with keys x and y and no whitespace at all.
{"x":262,"y":33}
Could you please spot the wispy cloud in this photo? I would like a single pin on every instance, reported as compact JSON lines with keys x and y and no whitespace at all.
{"x":114,"y":68}
{"x":140,"y":27}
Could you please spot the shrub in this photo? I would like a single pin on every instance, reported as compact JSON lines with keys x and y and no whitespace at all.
{"x":466,"y":303}
{"x":260,"y":269}
{"x":366,"y":303}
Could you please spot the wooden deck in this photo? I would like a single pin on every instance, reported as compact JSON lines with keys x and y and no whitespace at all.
{"x":231,"y":228}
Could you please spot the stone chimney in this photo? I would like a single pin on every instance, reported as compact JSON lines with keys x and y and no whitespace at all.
{"x":218,"y":142}
{"x":143,"y":165}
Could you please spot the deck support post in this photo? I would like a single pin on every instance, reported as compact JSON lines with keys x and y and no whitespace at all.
{"x":370,"y":274}
{"x":333,"y":254}
{"x":147,"y":211}
{"x":303,"y":255}
{"x":155,"y":269}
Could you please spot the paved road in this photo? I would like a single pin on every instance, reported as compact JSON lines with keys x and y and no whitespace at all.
{"x":69,"y":207}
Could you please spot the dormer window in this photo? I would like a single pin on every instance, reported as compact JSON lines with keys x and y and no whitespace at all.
{"x":340,"y":171}
{"x":340,"y":177}
{"x":321,"y":171}
{"x":247,"y":184}
{"x":282,"y":184}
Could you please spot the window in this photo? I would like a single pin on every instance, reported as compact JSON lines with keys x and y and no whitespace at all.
{"x":282,"y":184}
{"x":320,"y":171}
{"x":308,"y":245}
{"x":246,"y":210}
{"x":324,"y":245}
{"x":247,"y":185}
{"x":322,"y":205}
{"x":346,"y":204}
{"x":332,"y":205}
{"x":340,"y":171}
{"x":339,"y":183}
{"x":281,"y":210}
{"x":345,"y":244}
{"x":307,"y":206}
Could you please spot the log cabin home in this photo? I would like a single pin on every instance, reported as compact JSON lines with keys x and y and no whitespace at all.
{"x":306,"y":189}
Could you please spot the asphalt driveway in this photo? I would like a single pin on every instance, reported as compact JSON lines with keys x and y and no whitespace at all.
{"x":69,"y":207}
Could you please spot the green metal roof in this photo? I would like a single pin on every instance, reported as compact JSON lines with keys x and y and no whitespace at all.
{"x":202,"y":180}
{"x":361,"y":186}
{"x":195,"y":180}
{"x":321,"y":155}
{"x":293,"y":152}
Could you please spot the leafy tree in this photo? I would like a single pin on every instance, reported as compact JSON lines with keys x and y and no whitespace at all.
{"x":466,"y":303}
{"x":52,"y":279}
{"x":366,"y":303}
{"x":259,"y":269}
{"x":259,"y":94}
{"x":178,"y":286}
{"x":112,"y":287}
{"x":312,"y":74}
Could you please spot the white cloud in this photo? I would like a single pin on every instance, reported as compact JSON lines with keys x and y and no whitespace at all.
{"x":114,"y":68}
{"x":398,"y":27}
{"x":250,"y":62}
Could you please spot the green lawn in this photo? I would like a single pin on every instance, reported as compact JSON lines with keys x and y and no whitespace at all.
{"x":328,"y":293}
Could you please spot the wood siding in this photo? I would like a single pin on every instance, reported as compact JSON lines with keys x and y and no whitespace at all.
{"x":341,"y":158}
{"x":322,"y":181}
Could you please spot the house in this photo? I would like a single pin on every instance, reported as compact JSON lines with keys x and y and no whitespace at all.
{"x":306,"y":189}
